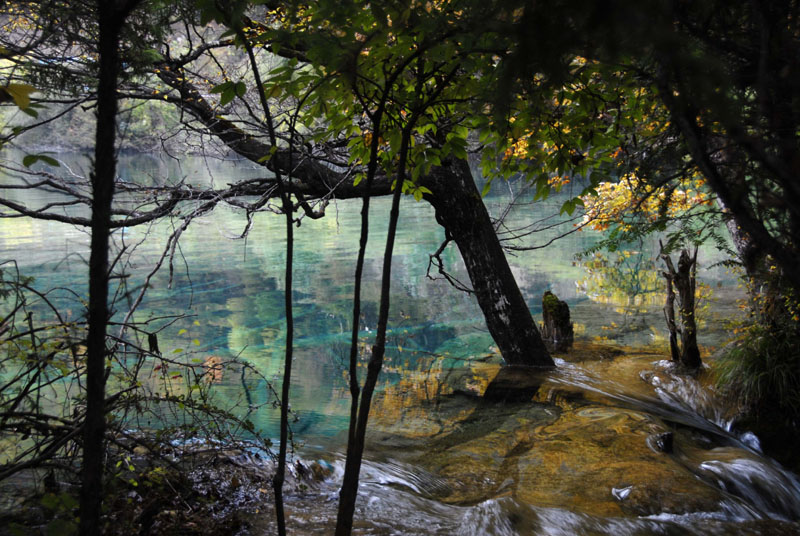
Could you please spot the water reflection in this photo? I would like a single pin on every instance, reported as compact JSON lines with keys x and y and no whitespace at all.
{"x":452,"y":449}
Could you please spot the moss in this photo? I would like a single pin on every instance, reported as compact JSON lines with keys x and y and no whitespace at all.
{"x":550,"y":302}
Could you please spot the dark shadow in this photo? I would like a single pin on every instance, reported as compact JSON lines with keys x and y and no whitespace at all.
{"x":513,"y":385}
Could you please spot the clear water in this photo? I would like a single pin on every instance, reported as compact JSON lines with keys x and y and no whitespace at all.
{"x":577,"y":460}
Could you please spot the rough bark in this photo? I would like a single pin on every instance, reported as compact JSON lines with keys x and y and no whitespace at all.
{"x":685,"y":282}
{"x":669,"y":316}
{"x":683,"y":279}
{"x":557,"y":329}
{"x":111,"y":16}
{"x":460,"y":210}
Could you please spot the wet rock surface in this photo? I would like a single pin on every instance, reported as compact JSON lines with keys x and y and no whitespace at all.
{"x":597,"y":437}
{"x":594,"y":447}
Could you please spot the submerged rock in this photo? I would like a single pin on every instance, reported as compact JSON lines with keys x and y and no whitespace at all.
{"x":555,"y":441}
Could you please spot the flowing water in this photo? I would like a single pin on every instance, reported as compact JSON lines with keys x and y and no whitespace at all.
{"x":611,"y":442}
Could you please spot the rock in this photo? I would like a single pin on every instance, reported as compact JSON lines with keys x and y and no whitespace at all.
{"x":662,"y":442}
{"x":320,"y":470}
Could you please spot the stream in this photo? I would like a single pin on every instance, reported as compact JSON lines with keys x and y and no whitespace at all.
{"x":612,"y":441}
{"x":572,"y":451}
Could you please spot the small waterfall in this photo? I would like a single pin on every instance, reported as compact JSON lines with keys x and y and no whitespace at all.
{"x":762,"y":483}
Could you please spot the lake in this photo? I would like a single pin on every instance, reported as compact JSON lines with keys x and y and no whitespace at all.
{"x":576,"y":454}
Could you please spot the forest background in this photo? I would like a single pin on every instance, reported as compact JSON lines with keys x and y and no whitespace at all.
{"x":644,"y":101}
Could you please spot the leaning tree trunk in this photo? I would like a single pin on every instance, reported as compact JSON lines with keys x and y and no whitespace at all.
{"x":460,"y":210}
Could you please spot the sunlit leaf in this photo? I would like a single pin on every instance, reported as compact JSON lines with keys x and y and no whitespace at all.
{"x":20,"y":94}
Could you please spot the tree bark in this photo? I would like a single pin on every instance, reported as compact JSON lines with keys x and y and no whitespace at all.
{"x":684,"y":280}
{"x":669,"y":316}
{"x":460,"y":210}
{"x":111,"y":16}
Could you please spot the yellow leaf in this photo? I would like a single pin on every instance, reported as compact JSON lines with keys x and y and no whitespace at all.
{"x":275,"y":91}
{"x":21,"y":94}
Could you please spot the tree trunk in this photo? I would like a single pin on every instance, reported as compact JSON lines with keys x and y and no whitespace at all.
{"x":685,"y":282}
{"x":111,"y":17}
{"x":460,"y":210}
{"x":683,"y":279}
{"x":669,"y":315}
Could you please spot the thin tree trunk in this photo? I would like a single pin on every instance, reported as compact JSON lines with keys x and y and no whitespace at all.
{"x":287,"y":366}
{"x":346,"y":495}
{"x":287,"y":207}
{"x":111,"y":16}
{"x":669,"y":315}
{"x":460,"y":210}
{"x":349,"y":491}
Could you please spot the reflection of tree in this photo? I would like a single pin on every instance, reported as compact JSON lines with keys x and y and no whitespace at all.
{"x":627,"y":279}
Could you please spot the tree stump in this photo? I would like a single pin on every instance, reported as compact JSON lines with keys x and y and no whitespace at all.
{"x":557,"y":329}
{"x":683,"y":279}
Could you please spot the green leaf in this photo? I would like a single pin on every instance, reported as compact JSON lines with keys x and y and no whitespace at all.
{"x":181,"y":331}
{"x":31,"y":159}
{"x":152,"y":55}
{"x":274,"y":91}
{"x":227,"y":96}
{"x":461,"y":131}
{"x":49,"y":160}
{"x":240,"y":89}
{"x":460,"y":152}
{"x":221,"y":87}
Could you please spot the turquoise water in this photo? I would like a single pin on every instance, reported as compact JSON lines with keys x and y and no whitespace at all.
{"x":575,"y":457}
{"x":227,"y":291}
